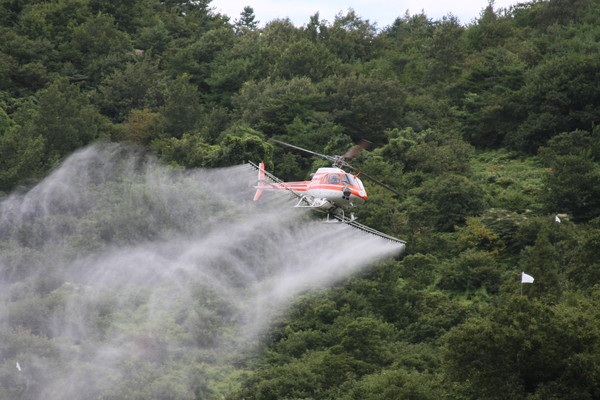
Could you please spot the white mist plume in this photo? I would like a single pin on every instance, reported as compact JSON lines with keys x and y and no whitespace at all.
{"x":121,"y":275}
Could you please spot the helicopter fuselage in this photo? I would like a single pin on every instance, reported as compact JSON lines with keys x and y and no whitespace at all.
{"x":329,"y":189}
{"x":337,"y":187}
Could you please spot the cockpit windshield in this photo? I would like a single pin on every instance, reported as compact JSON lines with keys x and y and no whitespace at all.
{"x":344,"y":179}
{"x":348,"y":179}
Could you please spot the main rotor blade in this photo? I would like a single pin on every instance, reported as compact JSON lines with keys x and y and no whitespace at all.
{"x":362,"y":145}
{"x":337,"y":160}
{"x":377,"y":181}
{"x":330,"y":158}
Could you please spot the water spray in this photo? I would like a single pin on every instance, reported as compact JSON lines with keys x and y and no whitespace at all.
{"x":120,"y":275}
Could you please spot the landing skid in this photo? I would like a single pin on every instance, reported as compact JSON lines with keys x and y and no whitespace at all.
{"x":306,"y":202}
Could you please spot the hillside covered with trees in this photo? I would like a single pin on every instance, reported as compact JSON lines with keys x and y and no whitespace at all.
{"x":488,"y":128}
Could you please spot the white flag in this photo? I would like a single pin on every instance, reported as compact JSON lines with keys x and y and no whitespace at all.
{"x":526,"y":278}
{"x":556,"y":219}
{"x":18,"y":366}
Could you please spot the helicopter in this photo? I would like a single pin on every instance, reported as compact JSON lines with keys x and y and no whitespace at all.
{"x":331,"y":190}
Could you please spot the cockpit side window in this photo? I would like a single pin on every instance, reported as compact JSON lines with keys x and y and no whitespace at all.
{"x":334,"y":179}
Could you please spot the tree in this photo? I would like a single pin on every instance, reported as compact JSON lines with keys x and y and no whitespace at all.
{"x":203,"y":58}
{"x":419,"y":269}
{"x":367,"y":339}
{"x":268,"y":106}
{"x":141,"y":126}
{"x":139,"y":85}
{"x":558,"y":96}
{"x":560,"y":12}
{"x":227,"y":79}
{"x":53,"y":21}
{"x":542,"y":261}
{"x":190,"y":151}
{"x":24,"y":63}
{"x":435,"y":313}
{"x":240,"y":145}
{"x":410,"y":36}
{"x":315,"y":29}
{"x":236,"y":146}
{"x":5,"y":121}
{"x":305,"y":58}
{"x":583,"y":267}
{"x":154,"y":36}
{"x":394,"y":383}
{"x":246,"y":22}
{"x":445,"y":51}
{"x":352,"y":38}
{"x":470,"y":271}
{"x":20,"y":158}
{"x":447,"y":201}
{"x":490,"y":30}
{"x":438,"y":152}
{"x":572,"y":186}
{"x":522,"y":348}
{"x":66,"y":120}
{"x":365,"y":106}
{"x":572,"y":183}
{"x":97,"y":48}
{"x":7,"y":65}
{"x":489,"y":93}
{"x":495,"y":231}
{"x":126,"y":15}
{"x":182,"y":110}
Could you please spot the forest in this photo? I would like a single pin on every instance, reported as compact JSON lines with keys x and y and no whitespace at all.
{"x":487,"y":128}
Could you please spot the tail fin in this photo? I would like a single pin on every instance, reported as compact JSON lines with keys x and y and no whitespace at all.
{"x":261,"y":179}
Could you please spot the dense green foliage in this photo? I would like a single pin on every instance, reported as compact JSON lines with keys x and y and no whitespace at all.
{"x":488,"y":129}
